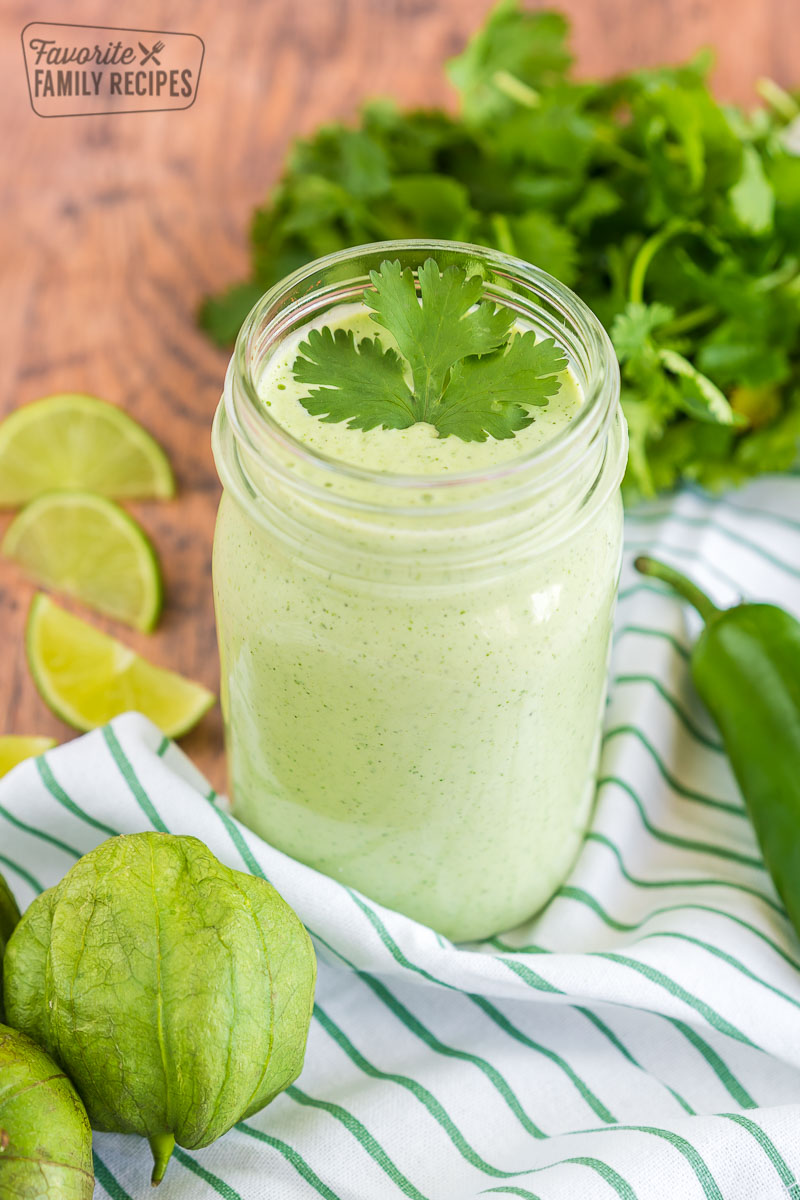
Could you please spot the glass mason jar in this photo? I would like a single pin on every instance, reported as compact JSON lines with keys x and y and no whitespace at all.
{"x":414,"y":668}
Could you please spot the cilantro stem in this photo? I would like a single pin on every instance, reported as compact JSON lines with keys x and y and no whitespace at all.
{"x":617,"y":153}
{"x":786,"y":273}
{"x":689,"y":320}
{"x":647,"y":252}
{"x":502,"y":233}
{"x":515,"y":89}
{"x":779,"y":100}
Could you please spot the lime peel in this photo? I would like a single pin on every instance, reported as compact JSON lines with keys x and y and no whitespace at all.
{"x":15,"y":748}
{"x":88,"y":547}
{"x":86,"y":677}
{"x":73,"y":440}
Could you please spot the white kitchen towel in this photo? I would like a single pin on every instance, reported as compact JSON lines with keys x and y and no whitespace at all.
{"x":639,"y":1039}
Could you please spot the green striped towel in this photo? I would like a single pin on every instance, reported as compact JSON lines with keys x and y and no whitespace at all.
{"x":639,"y":1040}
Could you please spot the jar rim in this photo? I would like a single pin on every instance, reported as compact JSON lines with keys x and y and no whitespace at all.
{"x":259,"y":428}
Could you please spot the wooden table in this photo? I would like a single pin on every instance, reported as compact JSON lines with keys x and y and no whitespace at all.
{"x":114,"y":227}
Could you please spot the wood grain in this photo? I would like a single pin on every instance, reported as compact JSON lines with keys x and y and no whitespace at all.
{"x":114,"y":227}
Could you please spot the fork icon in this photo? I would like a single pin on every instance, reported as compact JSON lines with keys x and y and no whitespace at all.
{"x":147,"y":55}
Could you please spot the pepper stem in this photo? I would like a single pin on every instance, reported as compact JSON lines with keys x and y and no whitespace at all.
{"x":683,"y":586}
{"x":162,"y":1145}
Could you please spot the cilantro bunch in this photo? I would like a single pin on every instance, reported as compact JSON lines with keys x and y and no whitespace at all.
{"x":459,"y":368}
{"x":675,"y":218}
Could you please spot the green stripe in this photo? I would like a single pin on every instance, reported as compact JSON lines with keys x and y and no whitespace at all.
{"x":762,"y":514}
{"x":424,"y":1034}
{"x":239,"y":842}
{"x":588,"y":1095}
{"x":738,"y":539}
{"x":720,"y":1023}
{"x":363,"y":1137}
{"x":647,"y":631}
{"x":525,"y":973}
{"x":720,"y":1068}
{"x":39,"y":833}
{"x":296,"y":1160}
{"x":415,"y":1026}
{"x":107,"y":1180}
{"x":390,"y":944}
{"x":623,"y":1050}
{"x":23,"y":874}
{"x":420,"y":1093}
{"x":507,"y":947}
{"x":245,"y":853}
{"x":583,"y":897}
{"x":219,"y":1185}
{"x":163,"y":746}
{"x":785,"y":1174}
{"x":672,"y":839}
{"x":735,"y":810}
{"x":603,"y":840}
{"x":734,"y":505}
{"x":644,"y":585}
{"x":57,"y":792}
{"x":609,"y":1033}
{"x":129,"y":775}
{"x":511,"y":1190}
{"x":498,"y":1019}
{"x":530,"y":977}
{"x":725,"y":957}
{"x":680,"y":712}
{"x":615,"y":1180}
{"x":681,"y":993}
{"x":612,"y":1178}
{"x":695,"y":1161}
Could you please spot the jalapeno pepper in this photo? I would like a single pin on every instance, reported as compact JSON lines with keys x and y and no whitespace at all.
{"x":746,"y":667}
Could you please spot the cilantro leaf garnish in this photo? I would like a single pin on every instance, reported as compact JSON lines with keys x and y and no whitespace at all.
{"x":489,"y":396}
{"x":343,"y":369}
{"x":434,"y":335}
{"x":460,"y":366}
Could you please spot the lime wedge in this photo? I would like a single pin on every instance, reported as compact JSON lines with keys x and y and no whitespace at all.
{"x":14,"y":750}
{"x":87,"y":678}
{"x":76,"y":441}
{"x":88,"y":547}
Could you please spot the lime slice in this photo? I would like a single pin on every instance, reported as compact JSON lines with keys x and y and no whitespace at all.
{"x":14,"y":750}
{"x":88,"y":547}
{"x":87,"y":678}
{"x":76,"y":441}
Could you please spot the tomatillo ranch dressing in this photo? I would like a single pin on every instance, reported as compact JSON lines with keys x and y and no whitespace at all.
{"x":414,"y":629}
